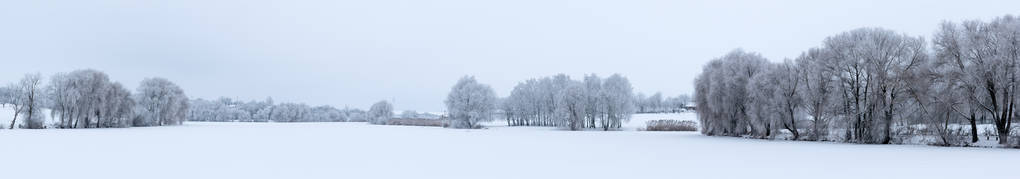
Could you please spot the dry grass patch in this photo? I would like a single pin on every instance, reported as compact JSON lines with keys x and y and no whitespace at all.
{"x":671,"y":125}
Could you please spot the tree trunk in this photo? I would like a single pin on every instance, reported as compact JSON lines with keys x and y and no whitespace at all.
{"x":973,"y":128}
{"x":15,"y":116}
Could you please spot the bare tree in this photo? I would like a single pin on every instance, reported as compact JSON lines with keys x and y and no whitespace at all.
{"x":26,"y":99}
{"x":775,"y":100}
{"x":870,"y":61}
{"x":817,"y":89}
{"x":986,"y":56}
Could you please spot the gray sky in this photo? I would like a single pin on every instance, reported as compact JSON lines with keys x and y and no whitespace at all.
{"x":353,"y":53}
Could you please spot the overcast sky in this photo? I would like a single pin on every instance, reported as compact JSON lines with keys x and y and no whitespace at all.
{"x":354,"y":53}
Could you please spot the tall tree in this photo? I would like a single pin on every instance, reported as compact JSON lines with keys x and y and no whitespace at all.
{"x":160,"y":102}
{"x":26,"y":99}
{"x":380,"y":113}
{"x":776,"y":98}
{"x":722,"y":93}
{"x":469,"y":103}
{"x":817,"y":89}
{"x":987,"y":59}
{"x":871,"y":61}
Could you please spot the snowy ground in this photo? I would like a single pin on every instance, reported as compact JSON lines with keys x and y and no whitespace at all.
{"x":357,"y":150}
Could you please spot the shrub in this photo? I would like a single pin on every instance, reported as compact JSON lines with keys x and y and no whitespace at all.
{"x":671,"y":125}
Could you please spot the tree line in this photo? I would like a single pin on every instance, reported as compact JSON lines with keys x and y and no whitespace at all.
{"x":872,"y":85}
{"x":550,"y":101}
{"x":656,"y":103}
{"x":230,"y":110}
{"x":89,"y":99}
{"x":592,"y":102}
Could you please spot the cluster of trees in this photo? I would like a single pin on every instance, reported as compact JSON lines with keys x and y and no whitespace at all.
{"x":871,"y":85}
{"x":230,"y":110}
{"x":88,"y":99}
{"x":410,"y":114}
{"x":656,"y":103}
{"x":593,"y":102}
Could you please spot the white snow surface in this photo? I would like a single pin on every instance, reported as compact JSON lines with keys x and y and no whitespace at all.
{"x":356,"y":150}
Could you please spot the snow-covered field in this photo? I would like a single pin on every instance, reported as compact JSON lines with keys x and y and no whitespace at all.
{"x":358,"y":150}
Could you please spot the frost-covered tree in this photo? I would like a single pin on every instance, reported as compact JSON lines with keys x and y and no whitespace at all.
{"x":658,"y":103}
{"x":26,"y":98}
{"x":266,"y":113}
{"x":572,"y":105}
{"x":203,"y":110}
{"x":677,"y":104}
{"x":872,"y":85}
{"x":722,"y":95}
{"x":641,"y":103}
{"x":6,"y":95}
{"x":617,"y":93}
{"x":292,"y":112}
{"x":252,"y":108}
{"x":16,"y":100}
{"x":160,"y":102}
{"x":355,"y":115}
{"x":88,"y":99}
{"x":870,"y":63}
{"x":986,"y":57}
{"x":380,"y":113}
{"x":593,"y":100}
{"x":954,"y":65}
{"x":117,"y":107}
{"x":540,"y":102}
{"x":776,"y":99}
{"x":817,"y":91}
{"x":470,"y":103}
{"x":231,"y":110}
{"x":655,"y":104}
{"x":325,"y":114}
